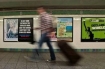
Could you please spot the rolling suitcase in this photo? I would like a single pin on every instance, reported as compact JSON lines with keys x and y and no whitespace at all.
{"x":69,"y":52}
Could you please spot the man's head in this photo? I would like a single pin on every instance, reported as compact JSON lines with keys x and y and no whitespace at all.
{"x":41,"y":9}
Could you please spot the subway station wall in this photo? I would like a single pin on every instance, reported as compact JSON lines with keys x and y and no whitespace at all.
{"x":77,"y":44}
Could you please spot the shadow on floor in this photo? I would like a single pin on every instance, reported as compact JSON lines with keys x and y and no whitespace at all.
{"x":64,"y":63}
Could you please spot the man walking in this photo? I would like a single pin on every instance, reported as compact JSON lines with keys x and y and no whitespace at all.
{"x":46,"y":28}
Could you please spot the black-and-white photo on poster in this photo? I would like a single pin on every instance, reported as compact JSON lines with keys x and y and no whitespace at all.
{"x":10,"y":29}
{"x":17,"y":29}
{"x":24,"y":29}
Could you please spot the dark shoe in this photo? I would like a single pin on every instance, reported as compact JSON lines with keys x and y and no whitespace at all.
{"x":32,"y":42}
{"x":51,"y":61}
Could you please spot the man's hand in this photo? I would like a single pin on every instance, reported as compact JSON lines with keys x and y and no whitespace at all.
{"x":51,"y":34}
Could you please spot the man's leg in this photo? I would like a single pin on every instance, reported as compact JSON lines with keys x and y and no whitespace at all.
{"x":34,"y":53}
{"x":40,"y":45}
{"x":52,"y":54}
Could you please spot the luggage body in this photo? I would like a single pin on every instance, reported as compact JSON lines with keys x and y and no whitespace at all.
{"x":69,"y":52}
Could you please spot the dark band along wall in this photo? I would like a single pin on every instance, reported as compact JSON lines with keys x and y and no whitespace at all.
{"x":55,"y":12}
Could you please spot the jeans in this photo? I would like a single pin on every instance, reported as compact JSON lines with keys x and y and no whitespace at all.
{"x":45,"y":38}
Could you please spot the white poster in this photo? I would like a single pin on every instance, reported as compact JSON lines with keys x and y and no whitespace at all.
{"x":10,"y":29}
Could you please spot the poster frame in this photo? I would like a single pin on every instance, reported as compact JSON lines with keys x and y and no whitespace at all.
{"x":72,"y":27}
{"x":32,"y":32}
{"x":81,"y":30}
{"x":4,"y":30}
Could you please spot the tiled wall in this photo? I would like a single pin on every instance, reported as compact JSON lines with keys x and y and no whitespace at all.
{"x":55,"y":12}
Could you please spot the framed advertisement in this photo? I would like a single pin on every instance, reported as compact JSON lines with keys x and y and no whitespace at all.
{"x":24,"y":26}
{"x":65,"y":28}
{"x":17,"y":29}
{"x":10,"y":29}
{"x":93,"y":29}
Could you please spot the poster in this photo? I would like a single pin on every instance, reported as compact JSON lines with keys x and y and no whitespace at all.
{"x":17,"y":29}
{"x":93,"y":29}
{"x":25,"y":33}
{"x":10,"y":29}
{"x":65,"y":28}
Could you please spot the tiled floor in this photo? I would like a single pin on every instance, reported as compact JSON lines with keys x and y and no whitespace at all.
{"x":15,"y":60}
